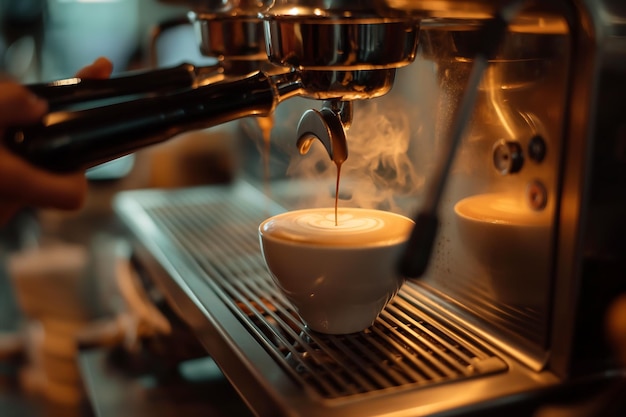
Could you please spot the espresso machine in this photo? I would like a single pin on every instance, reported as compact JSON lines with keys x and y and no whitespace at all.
{"x":495,"y":124}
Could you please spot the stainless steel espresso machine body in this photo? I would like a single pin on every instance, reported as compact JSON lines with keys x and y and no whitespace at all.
{"x":526,"y":183}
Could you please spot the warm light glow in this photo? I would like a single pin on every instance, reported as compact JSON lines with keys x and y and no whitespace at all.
{"x":57,"y":117}
{"x":67,"y":81}
{"x":500,"y":209}
{"x":539,"y":24}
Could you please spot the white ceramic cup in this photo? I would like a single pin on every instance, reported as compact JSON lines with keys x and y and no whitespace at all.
{"x":339,"y":276}
{"x":510,"y":241}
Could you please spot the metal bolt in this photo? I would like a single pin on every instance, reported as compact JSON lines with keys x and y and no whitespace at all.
{"x":508,"y":157}
{"x":537,"y":195}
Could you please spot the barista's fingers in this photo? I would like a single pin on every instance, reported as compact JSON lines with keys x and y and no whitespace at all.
{"x":100,"y":68}
{"x":18,"y":105}
{"x":23,"y":183}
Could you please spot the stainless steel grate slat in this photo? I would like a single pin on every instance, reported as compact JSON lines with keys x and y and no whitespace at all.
{"x":405,"y":348}
{"x":424,"y":361}
{"x":429,"y":341}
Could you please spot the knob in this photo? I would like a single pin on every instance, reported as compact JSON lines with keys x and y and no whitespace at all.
{"x":508,"y":157}
{"x":327,"y":125}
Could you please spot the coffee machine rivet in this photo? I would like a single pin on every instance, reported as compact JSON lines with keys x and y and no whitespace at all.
{"x":537,"y":148}
{"x":537,"y":195}
{"x":508,"y":157}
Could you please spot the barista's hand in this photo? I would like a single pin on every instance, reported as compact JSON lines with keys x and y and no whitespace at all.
{"x":100,"y":68}
{"x":22,"y":184}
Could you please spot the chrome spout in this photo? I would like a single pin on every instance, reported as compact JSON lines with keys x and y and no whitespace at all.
{"x":328,"y":125}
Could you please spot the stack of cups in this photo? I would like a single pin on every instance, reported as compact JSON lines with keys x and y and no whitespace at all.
{"x":52,"y":291}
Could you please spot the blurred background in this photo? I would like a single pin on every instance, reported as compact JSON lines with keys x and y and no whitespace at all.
{"x":60,"y":271}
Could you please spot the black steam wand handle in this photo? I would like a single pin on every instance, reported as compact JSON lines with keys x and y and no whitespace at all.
{"x":68,"y":141}
{"x":61,"y":93}
{"x":417,"y":254}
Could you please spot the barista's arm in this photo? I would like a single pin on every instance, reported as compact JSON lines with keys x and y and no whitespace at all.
{"x":22,"y":184}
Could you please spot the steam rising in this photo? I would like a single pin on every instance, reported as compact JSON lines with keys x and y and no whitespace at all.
{"x":379,"y":170}
{"x":391,"y":143}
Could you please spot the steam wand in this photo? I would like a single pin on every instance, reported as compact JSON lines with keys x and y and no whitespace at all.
{"x":414,"y":260}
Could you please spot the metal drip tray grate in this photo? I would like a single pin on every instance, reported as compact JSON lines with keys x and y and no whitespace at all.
{"x":217,"y":230}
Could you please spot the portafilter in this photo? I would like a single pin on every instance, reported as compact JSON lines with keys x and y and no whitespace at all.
{"x":336,"y":51}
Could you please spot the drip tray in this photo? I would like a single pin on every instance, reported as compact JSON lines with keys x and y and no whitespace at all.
{"x":202,"y":246}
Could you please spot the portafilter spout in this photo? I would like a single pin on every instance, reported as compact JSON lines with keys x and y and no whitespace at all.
{"x":328,"y":125}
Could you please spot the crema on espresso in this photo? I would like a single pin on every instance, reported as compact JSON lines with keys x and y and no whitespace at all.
{"x":353,"y":227}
